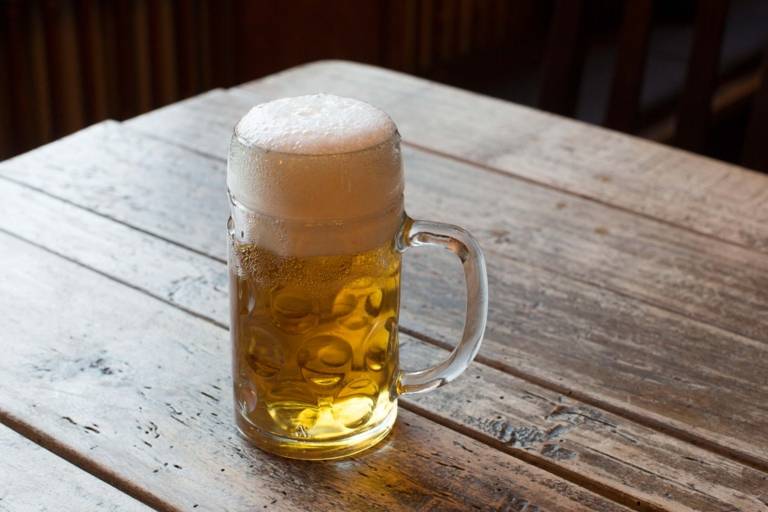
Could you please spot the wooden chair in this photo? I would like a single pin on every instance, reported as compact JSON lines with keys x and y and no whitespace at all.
{"x":565,"y":55}
{"x":756,"y":144}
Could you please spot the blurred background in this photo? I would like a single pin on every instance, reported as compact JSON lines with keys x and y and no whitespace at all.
{"x":690,"y":73}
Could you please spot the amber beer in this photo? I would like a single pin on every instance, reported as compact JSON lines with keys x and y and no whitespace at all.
{"x":316,"y":234}
{"x":315,"y":340}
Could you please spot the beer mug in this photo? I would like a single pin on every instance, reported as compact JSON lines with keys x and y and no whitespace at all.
{"x":316,"y":236}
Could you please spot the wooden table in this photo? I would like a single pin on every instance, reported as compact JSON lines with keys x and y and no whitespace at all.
{"x":625,"y":366}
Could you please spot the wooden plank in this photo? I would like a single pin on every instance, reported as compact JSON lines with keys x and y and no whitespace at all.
{"x":35,"y":479}
{"x":674,"y":269}
{"x":140,"y":390}
{"x":525,"y":226}
{"x":701,"y":194}
{"x":615,"y":456}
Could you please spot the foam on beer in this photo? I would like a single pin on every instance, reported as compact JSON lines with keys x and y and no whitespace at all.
{"x":318,"y":124}
{"x":319,"y":160}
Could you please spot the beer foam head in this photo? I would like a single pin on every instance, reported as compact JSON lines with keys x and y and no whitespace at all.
{"x":319,"y":159}
{"x":317,"y":124}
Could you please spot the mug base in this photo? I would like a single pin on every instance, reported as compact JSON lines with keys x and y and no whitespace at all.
{"x":316,"y":450}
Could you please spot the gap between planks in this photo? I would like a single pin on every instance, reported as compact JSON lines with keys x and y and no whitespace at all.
{"x":526,"y":179}
{"x":500,"y":172}
{"x":150,"y":499}
{"x":592,"y":485}
{"x":679,"y":433}
{"x":117,"y":221}
{"x":659,"y":426}
{"x":90,"y":466}
{"x":497,"y":170}
{"x":655,"y":424}
{"x":471,"y":164}
{"x":575,"y":477}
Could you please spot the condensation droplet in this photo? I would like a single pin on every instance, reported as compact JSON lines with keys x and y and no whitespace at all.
{"x":247,"y":397}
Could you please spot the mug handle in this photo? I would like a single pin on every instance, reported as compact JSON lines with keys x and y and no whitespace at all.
{"x":418,"y":233}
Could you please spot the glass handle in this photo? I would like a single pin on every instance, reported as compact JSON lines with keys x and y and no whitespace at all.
{"x":424,"y":233}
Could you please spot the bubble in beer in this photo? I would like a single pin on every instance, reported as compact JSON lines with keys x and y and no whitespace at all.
{"x":357,"y":303}
{"x":373,"y":301}
{"x":355,"y":402}
{"x":377,"y":347}
{"x":292,"y":406}
{"x":292,"y":311}
{"x":265,"y":355}
{"x":324,"y":360}
{"x":248,"y":396}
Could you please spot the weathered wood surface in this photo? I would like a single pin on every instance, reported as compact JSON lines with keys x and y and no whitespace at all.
{"x":675,"y":269}
{"x":621,"y":459}
{"x":619,"y":350}
{"x":197,"y":287}
{"x":701,"y":194}
{"x":588,"y":301}
{"x":34,"y":479}
{"x":141,"y":390}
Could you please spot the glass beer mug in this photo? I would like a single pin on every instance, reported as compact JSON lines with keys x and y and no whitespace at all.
{"x":316,"y":235}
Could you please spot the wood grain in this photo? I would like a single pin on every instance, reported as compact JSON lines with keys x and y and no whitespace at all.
{"x":618,"y":457}
{"x":35,"y":479}
{"x":531,"y":239}
{"x":140,"y":389}
{"x":671,"y":268}
{"x":701,"y":194}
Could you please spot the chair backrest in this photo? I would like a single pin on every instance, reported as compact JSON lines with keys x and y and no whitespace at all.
{"x":631,"y":56}
{"x":564,"y":61}
{"x":694,"y":113}
{"x":755,"y":153}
